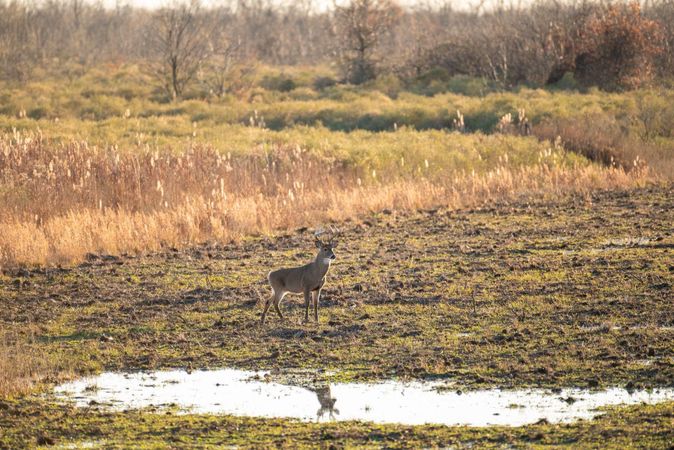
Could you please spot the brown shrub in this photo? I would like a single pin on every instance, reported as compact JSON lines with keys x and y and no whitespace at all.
{"x":618,"y":47}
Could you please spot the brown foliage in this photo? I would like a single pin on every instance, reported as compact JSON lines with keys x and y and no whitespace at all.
{"x":614,"y":47}
{"x":509,"y":44}
{"x":618,"y":48}
{"x":662,"y":11}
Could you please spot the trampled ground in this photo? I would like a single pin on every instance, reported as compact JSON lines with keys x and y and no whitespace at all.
{"x":573,"y":292}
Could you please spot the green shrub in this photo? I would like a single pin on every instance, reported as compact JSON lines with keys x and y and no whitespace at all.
{"x":280,"y":83}
{"x":303,"y":93}
{"x":37,"y":113}
{"x":470,"y":86}
{"x":438,"y":81}
{"x":321,"y":83}
{"x":567,"y":83}
{"x":388,"y":84}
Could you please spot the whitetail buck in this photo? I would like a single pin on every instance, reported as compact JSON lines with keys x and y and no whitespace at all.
{"x":307,"y":279}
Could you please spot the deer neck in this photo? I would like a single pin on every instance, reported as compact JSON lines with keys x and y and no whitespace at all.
{"x":321,"y":265}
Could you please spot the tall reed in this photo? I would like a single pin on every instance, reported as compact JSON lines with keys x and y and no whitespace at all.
{"x":62,"y":201}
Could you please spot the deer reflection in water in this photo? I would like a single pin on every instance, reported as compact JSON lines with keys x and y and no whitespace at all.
{"x":326,"y":400}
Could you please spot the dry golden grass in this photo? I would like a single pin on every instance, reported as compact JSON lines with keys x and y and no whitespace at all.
{"x":62,"y":201}
{"x":67,"y":238}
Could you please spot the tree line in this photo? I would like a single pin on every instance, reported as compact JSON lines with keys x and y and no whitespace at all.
{"x":610,"y":44}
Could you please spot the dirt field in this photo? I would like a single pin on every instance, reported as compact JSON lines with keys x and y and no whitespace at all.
{"x":574,"y":292}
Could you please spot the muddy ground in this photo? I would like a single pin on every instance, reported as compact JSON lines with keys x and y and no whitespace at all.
{"x":573,"y":292}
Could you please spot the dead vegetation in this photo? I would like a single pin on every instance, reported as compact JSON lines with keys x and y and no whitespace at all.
{"x":62,"y":201}
{"x":607,"y":142}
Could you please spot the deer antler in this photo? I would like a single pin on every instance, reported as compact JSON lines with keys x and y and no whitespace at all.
{"x":332,"y":235}
{"x":335,"y":233}
{"x":318,"y":233}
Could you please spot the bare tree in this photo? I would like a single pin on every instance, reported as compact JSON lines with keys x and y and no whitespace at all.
{"x":229,"y":70}
{"x":17,"y":56}
{"x":418,"y":30}
{"x":509,"y":43}
{"x":360,"y":27}
{"x":178,"y":38}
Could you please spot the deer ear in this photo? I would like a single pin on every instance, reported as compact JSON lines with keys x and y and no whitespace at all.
{"x":318,"y":243}
{"x":334,"y":244}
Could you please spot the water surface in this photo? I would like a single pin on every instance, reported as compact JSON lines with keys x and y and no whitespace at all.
{"x":245,"y":393}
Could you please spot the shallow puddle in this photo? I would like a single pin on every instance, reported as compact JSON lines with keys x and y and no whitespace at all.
{"x":245,"y":393}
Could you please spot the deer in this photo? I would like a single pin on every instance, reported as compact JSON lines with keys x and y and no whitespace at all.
{"x":308,"y":279}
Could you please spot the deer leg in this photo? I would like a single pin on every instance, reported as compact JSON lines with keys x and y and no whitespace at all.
{"x":277,"y":301}
{"x":266,"y":307}
{"x":317,"y":295}
{"x":307,"y":298}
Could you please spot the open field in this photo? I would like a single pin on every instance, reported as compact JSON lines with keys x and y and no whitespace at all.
{"x":496,"y":180}
{"x":568,"y":292}
{"x":530,"y":246}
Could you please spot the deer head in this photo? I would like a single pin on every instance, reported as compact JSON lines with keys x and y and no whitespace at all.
{"x":327,"y":244}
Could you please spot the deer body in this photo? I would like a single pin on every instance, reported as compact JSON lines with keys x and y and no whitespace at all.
{"x":307,"y":279}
